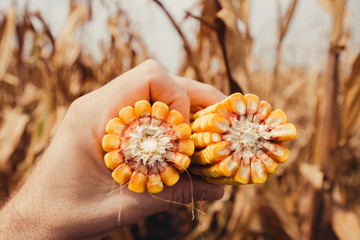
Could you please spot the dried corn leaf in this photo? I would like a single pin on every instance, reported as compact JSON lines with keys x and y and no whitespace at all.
{"x":11,"y":130}
{"x":337,"y":27}
{"x":351,"y":110}
{"x":244,"y":11}
{"x":276,"y":217}
{"x":30,"y":94}
{"x":346,"y":224}
{"x":242,"y":211}
{"x":327,"y":4}
{"x":11,"y":79}
{"x":66,"y":51}
{"x":234,"y":45}
{"x":313,"y":174}
{"x":6,"y":41}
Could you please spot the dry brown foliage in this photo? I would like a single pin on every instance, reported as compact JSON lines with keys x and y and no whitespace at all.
{"x":315,"y":195}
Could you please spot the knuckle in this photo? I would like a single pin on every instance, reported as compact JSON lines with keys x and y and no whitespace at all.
{"x":77,"y":105}
{"x":151,"y":66}
{"x":153,"y":71}
{"x":76,"y":110}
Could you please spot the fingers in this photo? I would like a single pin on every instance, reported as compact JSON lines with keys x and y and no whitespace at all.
{"x":194,"y":189}
{"x":162,"y":87}
{"x":134,"y":206}
{"x":201,"y":95}
{"x":151,"y":82}
{"x":146,"y":81}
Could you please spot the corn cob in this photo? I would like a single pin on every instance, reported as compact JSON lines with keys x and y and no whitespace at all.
{"x":147,"y":146}
{"x":239,"y":140}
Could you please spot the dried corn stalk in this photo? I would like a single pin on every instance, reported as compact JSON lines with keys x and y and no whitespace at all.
{"x":147,"y":146}
{"x":239,"y":140}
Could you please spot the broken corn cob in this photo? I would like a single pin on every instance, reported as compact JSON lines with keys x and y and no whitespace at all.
{"x":239,"y":140}
{"x":147,"y":146}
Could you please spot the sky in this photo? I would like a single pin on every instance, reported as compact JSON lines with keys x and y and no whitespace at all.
{"x":305,"y":44}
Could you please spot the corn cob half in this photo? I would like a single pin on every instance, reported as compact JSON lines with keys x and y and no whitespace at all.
{"x":239,"y":140}
{"x":147,"y":146}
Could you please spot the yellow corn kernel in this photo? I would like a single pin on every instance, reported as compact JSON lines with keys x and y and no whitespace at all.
{"x":169,"y":175}
{"x":187,"y":147}
{"x":228,"y":166}
{"x":138,"y":180}
{"x":205,"y":111}
{"x":127,"y":115}
{"x":114,"y":126}
{"x":154,"y":184}
{"x":211,"y":122}
{"x":212,"y":153}
{"x":110,"y":142}
{"x":159,"y":110}
{"x":213,"y":171}
{"x":252,"y":105}
{"x":142,"y":108}
{"x":205,"y":170}
{"x":180,"y":161}
{"x":277,"y":151}
{"x":276,"y":117}
{"x":283,"y":132}
{"x":237,"y":103}
{"x":269,"y":163}
{"x":222,"y":180}
{"x":221,"y":109}
{"x":257,"y":171}
{"x":113,"y":159}
{"x":199,"y":114}
{"x":174,"y":118}
{"x":262,"y":112}
{"x":243,"y":173}
{"x":203,"y":139}
{"x":122,"y":174}
{"x":182,"y":131}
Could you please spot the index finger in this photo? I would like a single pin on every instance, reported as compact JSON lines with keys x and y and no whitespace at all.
{"x":201,"y":95}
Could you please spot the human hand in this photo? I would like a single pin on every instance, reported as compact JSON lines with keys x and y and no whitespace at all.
{"x":69,"y":195}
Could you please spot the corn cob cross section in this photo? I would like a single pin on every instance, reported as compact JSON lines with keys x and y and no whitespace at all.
{"x":147,"y":146}
{"x":239,"y":140}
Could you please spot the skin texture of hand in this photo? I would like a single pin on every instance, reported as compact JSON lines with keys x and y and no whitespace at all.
{"x":68,"y":195}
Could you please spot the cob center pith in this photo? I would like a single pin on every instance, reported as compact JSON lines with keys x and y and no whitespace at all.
{"x":147,"y":144}
{"x":245,"y":137}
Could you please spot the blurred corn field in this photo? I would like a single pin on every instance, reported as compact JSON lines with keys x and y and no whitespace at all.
{"x":315,"y":195}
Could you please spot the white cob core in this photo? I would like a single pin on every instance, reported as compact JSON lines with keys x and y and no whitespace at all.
{"x":246,"y":137}
{"x":147,"y":145}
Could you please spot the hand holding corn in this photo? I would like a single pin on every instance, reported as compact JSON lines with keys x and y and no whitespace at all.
{"x":68,"y":195}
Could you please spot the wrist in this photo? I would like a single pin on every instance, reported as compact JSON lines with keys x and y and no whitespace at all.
{"x":30,"y":216}
{"x":19,"y":222}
